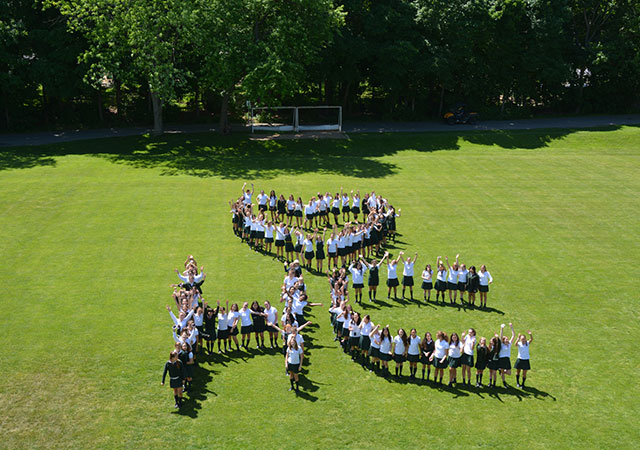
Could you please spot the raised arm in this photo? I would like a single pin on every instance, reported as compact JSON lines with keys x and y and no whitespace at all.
{"x":374,"y":330}
{"x":415,"y":257}
{"x":446,"y":258}
{"x":501,"y":330}
{"x":275,"y":326}
{"x":513,"y":333}
{"x":530,"y":336}
{"x":243,"y":186}
{"x":300,"y":328}
{"x":386,"y":255}
{"x":173,"y":316}
{"x":457,"y":257}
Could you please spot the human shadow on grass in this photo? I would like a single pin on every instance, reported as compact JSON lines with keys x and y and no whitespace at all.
{"x":192,"y":401}
{"x":236,"y":157}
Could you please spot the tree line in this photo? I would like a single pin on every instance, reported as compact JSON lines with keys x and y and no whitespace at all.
{"x":92,"y":62}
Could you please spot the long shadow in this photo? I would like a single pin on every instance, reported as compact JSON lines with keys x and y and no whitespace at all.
{"x":237,"y":157}
{"x":192,"y":402}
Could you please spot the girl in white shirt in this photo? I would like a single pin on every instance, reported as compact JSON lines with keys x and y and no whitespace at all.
{"x":427,"y":282}
{"x":293,"y":362}
{"x":297,"y":213}
{"x":385,"y":350}
{"x":485,"y":281}
{"x":374,"y":276}
{"x":452,"y":279}
{"x":280,"y":240}
{"x":505,"y":353}
{"x":291,"y":209}
{"x":392,"y":276}
{"x":407,"y":274}
{"x":233,"y":320}
{"x":335,"y":207}
{"x":273,"y":201}
{"x":246,"y":196}
{"x":354,"y":336}
{"x":439,"y":355}
{"x":223,"y":328}
{"x":246,"y":324}
{"x":345,"y":206}
{"x":400,"y":347}
{"x":357,"y":270}
{"x":332,"y":251}
{"x":262,"y":201}
{"x":365,"y":340}
{"x":522,"y":363}
{"x":441,"y":279}
{"x":413,"y":352}
{"x":271,"y":316}
{"x":307,"y":246}
{"x":453,"y":360}
{"x":269,"y":229}
{"x":462,"y":281}
{"x":375,"y":336}
{"x":355,"y":205}
{"x":469,"y":343}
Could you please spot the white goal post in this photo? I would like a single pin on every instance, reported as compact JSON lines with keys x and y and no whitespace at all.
{"x":266,"y":118}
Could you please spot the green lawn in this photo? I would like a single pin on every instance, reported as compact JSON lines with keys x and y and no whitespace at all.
{"x":91,"y":231}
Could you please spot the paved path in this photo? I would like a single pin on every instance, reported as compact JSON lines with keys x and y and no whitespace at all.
{"x":28,"y":139}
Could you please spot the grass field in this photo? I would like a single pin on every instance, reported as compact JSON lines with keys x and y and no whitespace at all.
{"x":91,"y":231}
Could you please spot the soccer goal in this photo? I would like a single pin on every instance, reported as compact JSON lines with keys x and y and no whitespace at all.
{"x":295,"y":118}
{"x":278,"y":118}
{"x":319,"y":118}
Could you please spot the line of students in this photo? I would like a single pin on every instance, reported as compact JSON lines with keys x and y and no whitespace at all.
{"x":374,"y":346}
{"x":379,"y":224}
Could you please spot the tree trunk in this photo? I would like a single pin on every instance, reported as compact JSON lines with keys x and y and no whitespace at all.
{"x":99,"y":101}
{"x":224,"y":113}
{"x":6,"y":117}
{"x":44,"y":107}
{"x":441,"y":101}
{"x":117,"y":85}
{"x":157,"y":113}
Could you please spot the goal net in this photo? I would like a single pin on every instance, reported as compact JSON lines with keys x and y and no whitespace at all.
{"x":296,"y":118}
{"x":320,"y":118}
{"x":279,"y":118}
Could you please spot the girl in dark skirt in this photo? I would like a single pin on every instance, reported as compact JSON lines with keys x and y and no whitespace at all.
{"x":522,"y":363}
{"x":271,"y":316}
{"x":269,"y":229}
{"x":355,"y":205}
{"x":234,"y":218}
{"x":505,"y":353}
{"x":374,"y":351}
{"x":485,"y":281}
{"x":482,"y":356}
{"x":469,"y":343}
{"x":441,"y":280}
{"x":439,"y":355}
{"x":209,"y":326}
{"x":246,"y":324}
{"x":288,"y":244}
{"x":407,"y":274}
{"x":374,"y":276}
{"x":307,"y":245}
{"x":413,"y":352}
{"x":335,"y":207}
{"x":345,"y":206}
{"x":454,"y":357}
{"x":332,"y":250}
{"x":392,"y":276}
{"x":186,"y":358}
{"x":273,"y":201}
{"x":177,"y":374}
{"x":400,"y":347}
{"x":299,"y":235}
{"x":291,"y":210}
{"x":357,"y":270}
{"x":319,"y":248}
{"x":281,"y":207}
{"x":233,"y":320}
{"x":493,"y":360}
{"x":473,"y":283}
{"x":452,"y":280}
{"x":293,"y":362}
{"x":354,"y":336}
{"x":297,"y":213}
{"x":223,"y":327}
{"x":279,"y":230}
{"x":257,"y":314}
{"x":427,"y":346}
{"x":365,"y":339}
{"x":427,"y":283}
{"x":385,"y":350}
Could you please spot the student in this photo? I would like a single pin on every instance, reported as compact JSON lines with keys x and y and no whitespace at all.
{"x":400,"y":347}
{"x":307,"y":244}
{"x":385,"y":350}
{"x":357,"y":270}
{"x":293,"y":362}
{"x":374,"y":351}
{"x":441,"y":279}
{"x":246,"y":196}
{"x":407,"y":274}
{"x":258,"y":327}
{"x":392,"y":276}
{"x":232,"y":322}
{"x":186,"y":358}
{"x":309,"y":213}
{"x":354,"y":336}
{"x":246,"y":325}
{"x":427,"y":283}
{"x":271,"y":316}
{"x":454,"y":358}
{"x":452,"y":279}
{"x":345,"y":206}
{"x":291,"y":208}
{"x":273,"y":200}
{"x":262,"y":201}
{"x":365,"y":339}
{"x":482,"y":357}
{"x":469,"y":343}
{"x":177,"y":374}
{"x":281,"y":208}
{"x":288,"y":244}
{"x":473,"y":283}
{"x":355,"y":205}
{"x":413,"y":352}
{"x":280,"y":240}
{"x":493,"y":360}
{"x":485,"y":281}
{"x":269,"y":229}
{"x":297,"y":213}
{"x":319,"y":239}
{"x":427,"y":346}
{"x":522,"y":363}
{"x":332,"y":250}
{"x":209,"y":328}
{"x":335,"y":208}
{"x":299,"y":243}
{"x":505,"y":353}
{"x":374,"y":276}
{"x":223,"y":327}
{"x":439,"y":356}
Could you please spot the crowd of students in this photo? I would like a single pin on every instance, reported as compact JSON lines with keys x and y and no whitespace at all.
{"x":373,"y":346}
{"x":303,"y":231}
{"x":197,"y":326}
